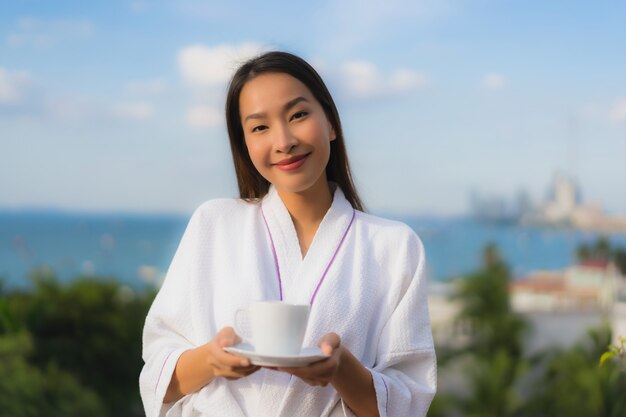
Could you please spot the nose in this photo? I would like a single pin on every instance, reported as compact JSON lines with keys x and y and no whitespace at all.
{"x":284,"y":140}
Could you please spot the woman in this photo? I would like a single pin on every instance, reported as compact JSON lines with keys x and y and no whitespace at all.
{"x":297,"y":234}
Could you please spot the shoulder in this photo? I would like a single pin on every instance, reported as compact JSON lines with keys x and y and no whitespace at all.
{"x":222,"y":209}
{"x":220,"y":205}
{"x":389,"y":239}
{"x":387,"y":229}
{"x":395,"y":248}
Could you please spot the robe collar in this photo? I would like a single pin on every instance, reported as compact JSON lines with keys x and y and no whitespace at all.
{"x":299,"y":276}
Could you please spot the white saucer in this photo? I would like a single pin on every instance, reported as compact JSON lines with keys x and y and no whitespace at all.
{"x":304,"y":358}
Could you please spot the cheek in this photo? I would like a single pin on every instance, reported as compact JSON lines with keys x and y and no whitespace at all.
{"x":313,"y":132}
{"x":252,"y":149}
{"x":256,"y":152}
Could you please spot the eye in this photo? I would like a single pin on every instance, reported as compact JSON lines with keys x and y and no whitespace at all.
{"x":299,"y":115}
{"x":259,"y":128}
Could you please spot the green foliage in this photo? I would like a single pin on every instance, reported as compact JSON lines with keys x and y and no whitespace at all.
{"x":573,"y":385}
{"x":619,"y":257}
{"x":493,"y":386}
{"x":492,"y":360}
{"x":84,"y":338}
{"x":616,"y":351}
{"x":442,"y":405}
{"x":26,"y":390}
{"x":500,"y":381}
{"x":485,"y":308}
{"x":603,"y":251}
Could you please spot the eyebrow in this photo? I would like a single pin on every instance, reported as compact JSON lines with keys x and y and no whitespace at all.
{"x":287,"y":106}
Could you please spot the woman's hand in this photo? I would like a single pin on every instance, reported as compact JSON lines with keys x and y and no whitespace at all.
{"x":224,"y":364}
{"x":199,"y":366}
{"x":323,"y":372}
{"x":349,"y":377}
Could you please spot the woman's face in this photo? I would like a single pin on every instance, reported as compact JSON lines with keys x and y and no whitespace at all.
{"x":286,"y":132}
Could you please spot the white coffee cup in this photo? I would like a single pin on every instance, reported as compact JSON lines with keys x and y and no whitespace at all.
{"x":276,"y":328}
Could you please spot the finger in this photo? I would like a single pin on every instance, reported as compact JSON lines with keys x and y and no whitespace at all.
{"x":227,"y":359}
{"x":236,"y":373}
{"x":246,"y":369}
{"x":241,"y":372}
{"x":227,"y":337}
{"x":329,"y":342}
{"x":310,"y":372}
{"x":238,"y":362}
{"x":315,"y":382}
{"x":326,"y":348}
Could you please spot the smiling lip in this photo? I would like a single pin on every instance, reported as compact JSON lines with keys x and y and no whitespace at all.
{"x":292,"y":163}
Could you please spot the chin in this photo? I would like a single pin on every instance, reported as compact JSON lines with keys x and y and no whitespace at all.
{"x":297,"y":186}
{"x":292,"y":188}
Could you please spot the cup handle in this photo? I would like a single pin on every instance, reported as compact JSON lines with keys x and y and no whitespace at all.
{"x":242,"y":326}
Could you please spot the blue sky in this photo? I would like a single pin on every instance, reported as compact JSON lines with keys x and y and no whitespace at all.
{"x":118,"y":105}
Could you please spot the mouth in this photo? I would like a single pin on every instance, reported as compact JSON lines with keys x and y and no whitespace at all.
{"x":291,"y":163}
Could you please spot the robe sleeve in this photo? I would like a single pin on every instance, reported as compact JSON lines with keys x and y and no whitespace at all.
{"x":167,"y":330}
{"x":405,"y":371}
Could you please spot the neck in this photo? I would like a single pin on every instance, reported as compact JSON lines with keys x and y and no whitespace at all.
{"x":307,"y":210}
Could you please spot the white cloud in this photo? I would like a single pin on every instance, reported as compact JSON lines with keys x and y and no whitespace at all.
{"x":362,"y":79}
{"x":357,"y":23}
{"x":139,"y":6}
{"x":134,"y":111}
{"x":204,"y":66}
{"x":406,"y":79}
{"x":604,"y":111}
{"x":70,"y":108}
{"x":618,"y":111}
{"x":47,"y":33}
{"x":204,"y":117}
{"x":146,"y":87}
{"x":13,"y":86}
{"x":494,"y":81}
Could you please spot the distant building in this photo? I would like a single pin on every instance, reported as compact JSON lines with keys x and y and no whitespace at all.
{"x":564,"y":209}
{"x":590,"y":285}
{"x":499,"y":209}
{"x":559,"y":305}
{"x":552,"y":299}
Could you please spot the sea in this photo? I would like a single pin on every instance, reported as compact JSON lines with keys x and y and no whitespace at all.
{"x":137,"y":249}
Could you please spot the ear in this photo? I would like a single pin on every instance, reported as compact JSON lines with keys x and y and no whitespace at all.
{"x":333,"y":134}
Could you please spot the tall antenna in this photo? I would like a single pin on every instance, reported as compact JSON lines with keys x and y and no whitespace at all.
{"x":573,"y":134}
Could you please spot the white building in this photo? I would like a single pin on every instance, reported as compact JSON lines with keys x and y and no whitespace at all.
{"x":590,"y":285}
{"x":559,"y":305}
{"x":563,"y":208}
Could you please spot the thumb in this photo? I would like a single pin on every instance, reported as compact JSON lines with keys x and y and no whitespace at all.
{"x":227,"y":337}
{"x":329,"y":342}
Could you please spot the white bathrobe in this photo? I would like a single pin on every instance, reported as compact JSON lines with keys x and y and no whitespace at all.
{"x":373,"y":295}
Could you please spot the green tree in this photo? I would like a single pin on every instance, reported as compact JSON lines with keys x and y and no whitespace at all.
{"x":603,"y":250}
{"x":27,"y":391}
{"x":583,"y":253}
{"x":91,"y":328}
{"x":493,"y":386}
{"x":486,"y":308}
{"x":572,"y":384}
{"x":492,"y":358}
{"x":619,"y":257}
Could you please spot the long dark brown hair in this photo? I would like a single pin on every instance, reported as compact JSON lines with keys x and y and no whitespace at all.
{"x":251,"y":183}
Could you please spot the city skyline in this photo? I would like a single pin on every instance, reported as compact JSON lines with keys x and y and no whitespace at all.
{"x":118,"y":106}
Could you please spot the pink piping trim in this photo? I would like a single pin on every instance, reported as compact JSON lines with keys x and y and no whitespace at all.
{"x":333,"y":258}
{"x":161,"y":372}
{"x":387,"y":394}
{"x":280,"y":282}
